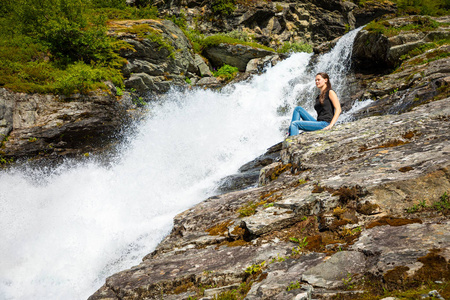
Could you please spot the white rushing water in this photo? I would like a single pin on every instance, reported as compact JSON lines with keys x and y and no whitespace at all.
{"x":64,"y":230}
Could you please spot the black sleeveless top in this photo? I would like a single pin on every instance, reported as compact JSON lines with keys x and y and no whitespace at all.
{"x":325,"y":111}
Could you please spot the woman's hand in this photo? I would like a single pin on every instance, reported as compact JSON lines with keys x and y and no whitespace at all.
{"x":328,"y":127}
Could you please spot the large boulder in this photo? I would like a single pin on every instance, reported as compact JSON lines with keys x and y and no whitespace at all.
{"x":234,"y":55}
{"x":49,"y":125}
{"x":161,"y":56}
{"x":340,"y":210}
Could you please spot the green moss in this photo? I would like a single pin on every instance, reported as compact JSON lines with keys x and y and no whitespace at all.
{"x":223,"y":7}
{"x":248,"y":209}
{"x":215,"y":40}
{"x":295,"y":47}
{"x":145,"y":31}
{"x":419,"y":23}
{"x":226,"y":72}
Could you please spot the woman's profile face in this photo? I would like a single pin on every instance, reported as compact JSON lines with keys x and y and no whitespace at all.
{"x":320,"y":81}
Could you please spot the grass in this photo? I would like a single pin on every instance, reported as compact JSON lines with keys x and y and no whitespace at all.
{"x":295,"y":47}
{"x":226,"y":72}
{"x":420,"y":23}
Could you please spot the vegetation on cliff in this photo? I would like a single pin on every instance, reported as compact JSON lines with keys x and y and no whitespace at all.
{"x":56,"y":46}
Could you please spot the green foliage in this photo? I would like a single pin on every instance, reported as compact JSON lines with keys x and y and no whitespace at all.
{"x":239,"y":35}
{"x":416,"y":7}
{"x":423,"y":7}
{"x":127,"y":13}
{"x":82,"y":78}
{"x":255,"y":268}
{"x":61,"y":46}
{"x":228,"y":295}
{"x":348,"y":282}
{"x":295,"y":47}
{"x":196,"y":39}
{"x":227,"y":72}
{"x":301,"y":244}
{"x":119,"y":91}
{"x":443,"y":204}
{"x":146,"y":31}
{"x":293,"y":286}
{"x":248,"y":209}
{"x":179,"y":20}
{"x":215,"y":40}
{"x":120,"y":4}
{"x":223,"y":7}
{"x":419,"y":23}
{"x":236,"y":294}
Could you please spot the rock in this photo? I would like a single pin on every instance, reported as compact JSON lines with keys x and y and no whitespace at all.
{"x":257,"y":65}
{"x":233,"y":55}
{"x":280,"y":275}
{"x":336,"y":174}
{"x":375,"y":51}
{"x":48,"y":125}
{"x":158,"y":60}
{"x":208,"y":82}
{"x":331,"y":273}
{"x":395,"y":246}
{"x":412,"y":85}
{"x":372,"y":10}
{"x":202,"y":66}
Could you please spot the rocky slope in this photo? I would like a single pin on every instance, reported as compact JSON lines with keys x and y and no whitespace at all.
{"x":361,"y":208}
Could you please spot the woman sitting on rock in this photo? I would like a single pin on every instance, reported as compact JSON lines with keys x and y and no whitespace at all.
{"x":327,"y":106}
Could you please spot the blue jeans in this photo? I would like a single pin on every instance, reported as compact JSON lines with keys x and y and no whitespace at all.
{"x":302,"y":120}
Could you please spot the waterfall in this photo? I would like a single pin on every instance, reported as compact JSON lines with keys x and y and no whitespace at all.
{"x":65,"y":229}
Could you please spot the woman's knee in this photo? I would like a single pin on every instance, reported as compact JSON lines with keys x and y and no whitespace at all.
{"x":299,"y":109}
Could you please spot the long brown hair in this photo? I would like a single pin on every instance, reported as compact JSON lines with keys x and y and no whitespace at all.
{"x":322,"y":93}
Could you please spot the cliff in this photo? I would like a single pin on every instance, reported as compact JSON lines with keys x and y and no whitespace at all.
{"x":358,"y":212}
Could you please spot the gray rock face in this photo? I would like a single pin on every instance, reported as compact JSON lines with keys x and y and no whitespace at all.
{"x":234,"y":55}
{"x":374,"y":50}
{"x":331,"y":273}
{"x":273,"y":23}
{"x":44,"y":125}
{"x":358,"y":179}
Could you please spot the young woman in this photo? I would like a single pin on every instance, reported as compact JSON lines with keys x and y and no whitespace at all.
{"x":327,"y":106}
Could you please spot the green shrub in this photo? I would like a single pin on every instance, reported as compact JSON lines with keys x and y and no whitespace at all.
{"x":121,"y":4}
{"x":423,"y":7}
{"x":295,"y":47}
{"x":179,"y":20}
{"x":223,"y":7}
{"x":420,"y":23}
{"x":146,"y":31}
{"x":128,"y":13}
{"x":215,"y":40}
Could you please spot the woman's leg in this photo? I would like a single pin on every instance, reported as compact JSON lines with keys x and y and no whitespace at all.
{"x":306,"y":126}
{"x":301,"y":114}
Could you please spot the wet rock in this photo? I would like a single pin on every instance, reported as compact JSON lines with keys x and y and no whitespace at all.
{"x":202,"y":66}
{"x":249,"y":174}
{"x":233,"y":55}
